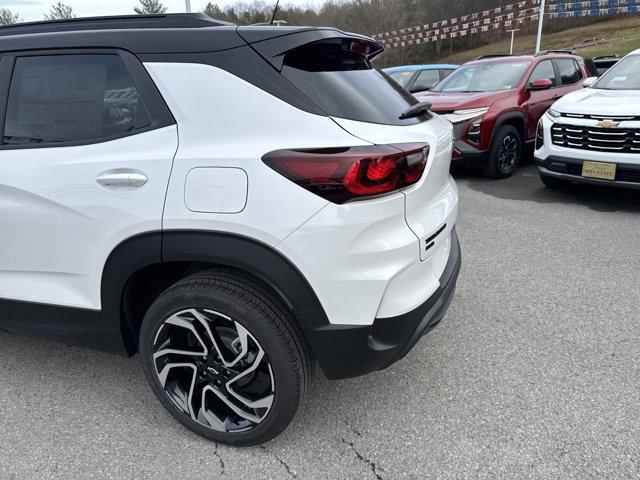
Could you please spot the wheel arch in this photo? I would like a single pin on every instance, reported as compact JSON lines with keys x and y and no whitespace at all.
{"x":140,"y":268}
{"x":514,"y":119}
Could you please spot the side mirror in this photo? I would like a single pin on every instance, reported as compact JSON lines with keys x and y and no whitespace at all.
{"x":589,"y":82}
{"x":542,"y":84}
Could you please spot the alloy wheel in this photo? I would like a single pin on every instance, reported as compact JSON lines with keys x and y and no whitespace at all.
{"x":508,"y":153}
{"x":213,"y":370}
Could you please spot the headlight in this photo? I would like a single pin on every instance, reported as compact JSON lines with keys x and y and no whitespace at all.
{"x":553,"y":113}
{"x":539,"y":135}
{"x":475,"y":131}
{"x":464,"y":115}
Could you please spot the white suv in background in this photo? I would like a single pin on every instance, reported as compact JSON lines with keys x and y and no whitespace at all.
{"x":233,"y":203}
{"x":593,"y":135}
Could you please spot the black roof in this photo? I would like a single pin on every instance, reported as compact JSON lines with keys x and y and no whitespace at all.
{"x":171,"y":20}
{"x":147,"y":34}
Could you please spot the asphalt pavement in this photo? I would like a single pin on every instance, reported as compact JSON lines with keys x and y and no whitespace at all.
{"x":534,"y":372}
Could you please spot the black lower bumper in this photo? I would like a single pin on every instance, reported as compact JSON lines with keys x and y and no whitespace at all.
{"x":350,"y":351}
{"x":570,"y":169}
{"x":465,"y":154}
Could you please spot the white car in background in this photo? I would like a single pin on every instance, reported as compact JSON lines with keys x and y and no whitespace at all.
{"x":593,"y":135}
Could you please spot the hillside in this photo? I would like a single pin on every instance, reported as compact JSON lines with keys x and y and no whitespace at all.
{"x":623,"y":33}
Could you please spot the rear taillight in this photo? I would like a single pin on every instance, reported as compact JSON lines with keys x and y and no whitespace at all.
{"x":344,"y":174}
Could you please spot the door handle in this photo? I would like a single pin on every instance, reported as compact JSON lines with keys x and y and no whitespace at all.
{"x":122,"y":179}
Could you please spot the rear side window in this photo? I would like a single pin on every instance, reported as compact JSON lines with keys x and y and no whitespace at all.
{"x":591,"y":68}
{"x":344,"y":84}
{"x":544,"y":71}
{"x":569,"y":71}
{"x":70,"y":99}
{"x":426,"y":80}
{"x":402,"y":78}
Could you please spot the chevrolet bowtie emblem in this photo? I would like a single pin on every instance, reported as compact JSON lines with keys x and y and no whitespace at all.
{"x":608,"y":124}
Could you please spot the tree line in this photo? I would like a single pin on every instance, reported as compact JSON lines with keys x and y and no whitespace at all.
{"x":362,"y":16}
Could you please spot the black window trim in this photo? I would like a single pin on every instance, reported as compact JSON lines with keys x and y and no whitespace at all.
{"x":558,"y":83}
{"x":159,"y":112}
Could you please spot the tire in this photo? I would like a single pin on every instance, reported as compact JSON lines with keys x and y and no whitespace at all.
{"x":505,"y":153}
{"x":554,"y":183}
{"x":248,"y":325}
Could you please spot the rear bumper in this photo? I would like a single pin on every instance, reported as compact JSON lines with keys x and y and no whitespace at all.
{"x":346,"y":351}
{"x":569,"y":169}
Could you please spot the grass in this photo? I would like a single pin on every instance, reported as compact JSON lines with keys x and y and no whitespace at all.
{"x":624,"y":34}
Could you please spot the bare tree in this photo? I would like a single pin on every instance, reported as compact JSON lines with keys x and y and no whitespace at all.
{"x":7,"y":16}
{"x":149,"y":7}
{"x":213,"y":10}
{"x":59,"y":11}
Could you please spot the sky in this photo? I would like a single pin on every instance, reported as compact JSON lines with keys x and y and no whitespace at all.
{"x":31,"y":10}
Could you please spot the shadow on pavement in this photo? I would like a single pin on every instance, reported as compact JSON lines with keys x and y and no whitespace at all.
{"x":526,"y":185}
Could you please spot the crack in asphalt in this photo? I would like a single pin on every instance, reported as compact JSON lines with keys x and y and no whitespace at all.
{"x":370,"y":463}
{"x":282,"y":462}
{"x":222,"y":465}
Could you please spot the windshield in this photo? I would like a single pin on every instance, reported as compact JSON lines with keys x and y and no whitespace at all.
{"x":625,"y":75}
{"x":402,"y":78}
{"x":484,"y":77}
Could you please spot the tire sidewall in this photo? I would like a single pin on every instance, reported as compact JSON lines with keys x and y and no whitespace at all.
{"x":287,"y":385}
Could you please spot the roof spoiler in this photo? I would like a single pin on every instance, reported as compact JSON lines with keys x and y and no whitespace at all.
{"x":274,"y":42}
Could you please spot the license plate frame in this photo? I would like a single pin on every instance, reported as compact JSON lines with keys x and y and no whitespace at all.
{"x":599,"y":170}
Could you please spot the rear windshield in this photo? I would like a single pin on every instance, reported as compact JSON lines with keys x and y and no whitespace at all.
{"x":343,"y":83}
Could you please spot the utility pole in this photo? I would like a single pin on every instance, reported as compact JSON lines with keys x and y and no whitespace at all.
{"x":513,"y":33}
{"x":187,"y":4}
{"x":540,"y":23}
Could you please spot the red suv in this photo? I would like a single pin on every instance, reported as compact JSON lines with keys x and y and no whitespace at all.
{"x":495,"y":104}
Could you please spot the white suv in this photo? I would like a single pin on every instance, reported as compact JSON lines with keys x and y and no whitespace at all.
{"x":593,"y":135}
{"x":234,"y":203}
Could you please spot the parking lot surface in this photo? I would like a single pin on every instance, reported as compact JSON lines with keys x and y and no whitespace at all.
{"x":533,"y":373}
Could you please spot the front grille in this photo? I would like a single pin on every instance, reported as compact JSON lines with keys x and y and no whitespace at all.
{"x":624,"y":173}
{"x":617,"y":118}
{"x":623,"y":140}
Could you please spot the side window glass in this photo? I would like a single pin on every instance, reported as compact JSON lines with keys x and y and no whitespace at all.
{"x":569,"y":71}
{"x":71,"y":98}
{"x":445,"y":73}
{"x":544,"y":71}
{"x":426,"y":80}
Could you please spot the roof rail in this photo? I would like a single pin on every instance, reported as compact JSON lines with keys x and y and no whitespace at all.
{"x":547,"y":52}
{"x":497,"y":55}
{"x":170,"y":20}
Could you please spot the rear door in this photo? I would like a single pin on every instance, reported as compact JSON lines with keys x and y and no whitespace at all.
{"x":86,"y":149}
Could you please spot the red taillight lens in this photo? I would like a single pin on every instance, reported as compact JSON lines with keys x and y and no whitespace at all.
{"x":344,"y":174}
